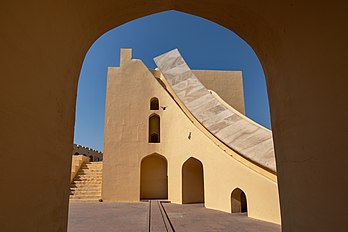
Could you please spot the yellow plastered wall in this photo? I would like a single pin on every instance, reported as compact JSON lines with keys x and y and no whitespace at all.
{"x":77,"y":161}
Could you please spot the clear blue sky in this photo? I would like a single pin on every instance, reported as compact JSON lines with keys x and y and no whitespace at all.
{"x":202,"y":43}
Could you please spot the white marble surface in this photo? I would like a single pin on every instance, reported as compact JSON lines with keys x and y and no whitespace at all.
{"x":248,"y":139}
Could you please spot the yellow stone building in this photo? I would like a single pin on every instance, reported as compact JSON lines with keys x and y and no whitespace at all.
{"x":157,"y":146}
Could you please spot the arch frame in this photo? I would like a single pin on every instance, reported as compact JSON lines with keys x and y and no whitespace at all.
{"x":157,"y":155}
{"x":201,"y":197}
{"x":280,"y":41}
{"x":241,"y":192}
{"x":154,"y":100}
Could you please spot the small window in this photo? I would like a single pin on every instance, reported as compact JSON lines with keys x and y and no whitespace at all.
{"x":154,"y":129}
{"x":154,"y":104}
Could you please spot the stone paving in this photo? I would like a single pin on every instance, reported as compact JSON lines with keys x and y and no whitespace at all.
{"x":108,"y":217}
{"x":194,"y":217}
{"x":93,"y":217}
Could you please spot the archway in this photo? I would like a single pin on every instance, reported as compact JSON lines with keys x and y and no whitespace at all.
{"x":238,"y":201}
{"x":153,"y":177}
{"x":192,"y":181}
{"x":297,"y":78}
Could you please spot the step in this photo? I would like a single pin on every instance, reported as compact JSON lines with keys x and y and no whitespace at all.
{"x":92,"y":165}
{"x":99,"y":167}
{"x":89,"y":184}
{"x":85,"y":193}
{"x":90,"y":171}
{"x":86,"y":182}
{"x":84,"y":200}
{"x":89,"y":174}
{"x":85,"y":187}
{"x":85,"y":196}
{"x":87,"y":177}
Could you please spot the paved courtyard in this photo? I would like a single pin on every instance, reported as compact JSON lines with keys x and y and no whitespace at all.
{"x":158,"y":216}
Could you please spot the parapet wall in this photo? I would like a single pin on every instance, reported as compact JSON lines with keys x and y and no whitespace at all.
{"x":89,"y":152}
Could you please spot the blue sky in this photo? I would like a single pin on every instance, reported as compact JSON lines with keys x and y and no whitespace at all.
{"x":202,"y":43}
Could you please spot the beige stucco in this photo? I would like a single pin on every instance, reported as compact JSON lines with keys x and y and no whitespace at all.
{"x":88,"y":152}
{"x":77,"y":161}
{"x":126,"y":144}
{"x":301,"y":46}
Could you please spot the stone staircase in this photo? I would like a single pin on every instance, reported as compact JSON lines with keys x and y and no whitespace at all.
{"x":86,"y":186}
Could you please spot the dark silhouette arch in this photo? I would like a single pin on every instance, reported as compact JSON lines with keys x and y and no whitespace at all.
{"x":238,"y":201}
{"x":192,"y":181}
{"x":154,"y":103}
{"x":153,"y":177}
{"x":154,"y":128}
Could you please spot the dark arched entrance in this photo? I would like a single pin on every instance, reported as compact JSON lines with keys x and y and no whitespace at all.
{"x":238,"y":201}
{"x":192,"y":181}
{"x":153,"y":177}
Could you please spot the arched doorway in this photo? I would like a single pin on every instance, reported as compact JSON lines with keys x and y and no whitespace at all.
{"x":192,"y":181}
{"x":153,"y":177}
{"x":238,"y":201}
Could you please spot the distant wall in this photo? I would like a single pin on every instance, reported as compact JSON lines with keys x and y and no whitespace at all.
{"x":86,"y":151}
{"x":228,"y":84}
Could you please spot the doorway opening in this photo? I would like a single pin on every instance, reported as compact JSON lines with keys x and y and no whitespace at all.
{"x":238,"y":201}
{"x":153,"y":177}
{"x":192,"y":181}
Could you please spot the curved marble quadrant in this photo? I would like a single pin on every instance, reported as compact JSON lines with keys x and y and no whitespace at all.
{"x":248,"y":139}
